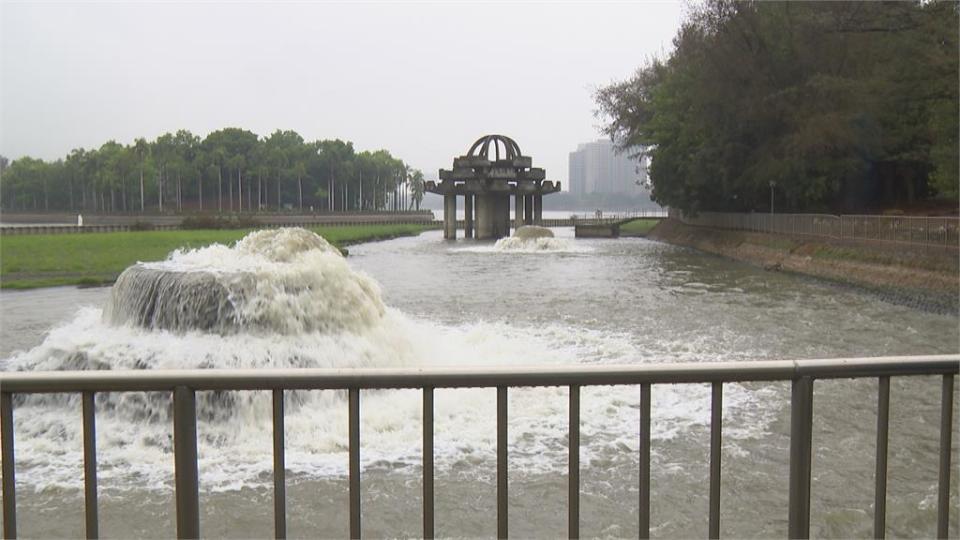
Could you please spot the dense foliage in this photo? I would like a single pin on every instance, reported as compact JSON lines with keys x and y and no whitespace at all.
{"x":836,"y":106}
{"x":231,"y":170}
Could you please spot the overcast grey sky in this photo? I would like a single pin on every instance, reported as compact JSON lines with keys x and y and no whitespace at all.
{"x":421,"y":80}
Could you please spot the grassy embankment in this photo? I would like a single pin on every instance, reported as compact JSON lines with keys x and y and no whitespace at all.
{"x":638,"y":227}
{"x":48,"y":260}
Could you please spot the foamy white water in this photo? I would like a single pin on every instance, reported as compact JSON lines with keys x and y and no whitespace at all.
{"x":286,"y":280}
{"x":624,"y":301}
{"x":235,"y":428}
{"x":536,"y":244}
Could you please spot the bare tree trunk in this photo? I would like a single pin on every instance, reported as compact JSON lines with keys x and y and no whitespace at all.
{"x":300,"y":189}
{"x":141,"y":187}
{"x":219,"y":188}
{"x":200,"y":189}
{"x":278,"y":192}
{"x":230,"y":183}
{"x":179,"y":194}
{"x":239,"y":190}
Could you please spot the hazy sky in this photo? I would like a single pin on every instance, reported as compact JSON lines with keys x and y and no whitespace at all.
{"x":421,"y":80}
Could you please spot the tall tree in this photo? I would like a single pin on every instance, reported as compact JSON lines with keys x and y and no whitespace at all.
{"x":833,"y":105}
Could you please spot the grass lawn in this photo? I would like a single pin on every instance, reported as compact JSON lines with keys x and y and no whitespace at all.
{"x":638,"y":227}
{"x":30,"y":261}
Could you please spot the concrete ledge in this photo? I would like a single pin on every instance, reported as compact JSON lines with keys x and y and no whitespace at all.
{"x":606,"y":230}
{"x":923,"y":277}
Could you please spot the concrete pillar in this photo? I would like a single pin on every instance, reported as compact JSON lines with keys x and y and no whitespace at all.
{"x":538,"y":209}
{"x":518,"y":210}
{"x":486,"y":212}
{"x":450,"y":216}
{"x":528,"y":209}
{"x":505,"y":215}
{"x":468,"y":216}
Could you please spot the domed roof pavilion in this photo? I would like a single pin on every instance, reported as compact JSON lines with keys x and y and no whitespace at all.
{"x":492,"y":170}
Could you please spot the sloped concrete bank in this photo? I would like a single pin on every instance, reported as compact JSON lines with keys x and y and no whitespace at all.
{"x":923,"y":277}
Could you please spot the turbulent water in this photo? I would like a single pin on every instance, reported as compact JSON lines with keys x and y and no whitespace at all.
{"x":282,"y":281}
{"x":286,"y":299}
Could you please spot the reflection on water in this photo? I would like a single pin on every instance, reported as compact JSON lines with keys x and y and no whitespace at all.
{"x":467,"y":303}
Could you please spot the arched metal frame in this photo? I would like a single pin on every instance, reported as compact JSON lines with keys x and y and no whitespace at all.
{"x":481,"y":148}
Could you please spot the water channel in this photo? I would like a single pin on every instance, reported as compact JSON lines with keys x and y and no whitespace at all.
{"x":570,"y":301}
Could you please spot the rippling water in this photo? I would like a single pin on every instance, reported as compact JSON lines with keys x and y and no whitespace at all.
{"x":575,"y":301}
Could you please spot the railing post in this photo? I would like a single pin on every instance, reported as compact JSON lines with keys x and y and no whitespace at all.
{"x":946,"y":428}
{"x":90,"y":465}
{"x":185,"y":462}
{"x":801,"y":427}
{"x":428,"y":522}
{"x":8,"y":467}
{"x":279,"y":468}
{"x":716,"y":426}
{"x":883,"y":428}
{"x":644,"y":487}
{"x":354,"y":421}
{"x":573,"y":475}
{"x":502,"y":506}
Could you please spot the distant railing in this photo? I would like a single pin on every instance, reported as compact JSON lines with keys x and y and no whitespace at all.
{"x":184,"y":384}
{"x":85,"y":229}
{"x":618,"y":215}
{"x":918,"y":230}
{"x":603,"y":218}
{"x":74,"y":229}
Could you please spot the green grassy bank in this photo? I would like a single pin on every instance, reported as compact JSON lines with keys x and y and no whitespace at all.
{"x":31,"y":261}
{"x":638,"y":227}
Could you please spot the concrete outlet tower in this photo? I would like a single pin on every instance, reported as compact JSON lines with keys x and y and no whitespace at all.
{"x":486,"y":177}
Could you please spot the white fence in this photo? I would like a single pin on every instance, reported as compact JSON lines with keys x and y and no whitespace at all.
{"x":919,"y":230}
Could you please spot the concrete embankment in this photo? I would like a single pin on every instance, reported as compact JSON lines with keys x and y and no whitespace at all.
{"x":919,"y":276}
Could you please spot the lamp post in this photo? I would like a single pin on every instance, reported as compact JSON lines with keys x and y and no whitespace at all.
{"x":772,"y":184}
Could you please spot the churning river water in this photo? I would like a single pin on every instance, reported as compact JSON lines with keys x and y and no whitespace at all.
{"x":424,"y":302}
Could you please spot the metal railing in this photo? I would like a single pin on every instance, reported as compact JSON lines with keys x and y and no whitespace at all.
{"x":618,"y":215}
{"x":918,"y":230}
{"x":86,"y":229}
{"x":117,"y":223}
{"x":184,"y":384}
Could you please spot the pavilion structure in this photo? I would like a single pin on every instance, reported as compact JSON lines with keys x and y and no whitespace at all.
{"x":492,"y":171}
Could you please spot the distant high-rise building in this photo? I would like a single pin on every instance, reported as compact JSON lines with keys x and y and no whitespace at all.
{"x":597,"y":167}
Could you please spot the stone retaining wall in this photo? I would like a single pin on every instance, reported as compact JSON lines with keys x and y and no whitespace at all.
{"x":927,"y":278}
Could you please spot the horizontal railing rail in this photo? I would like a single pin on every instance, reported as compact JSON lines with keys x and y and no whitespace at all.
{"x":87,"y":229}
{"x":184,"y":384}
{"x":939,"y":231}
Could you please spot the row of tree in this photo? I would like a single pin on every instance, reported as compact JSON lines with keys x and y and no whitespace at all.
{"x":231,"y":170}
{"x":835,"y":106}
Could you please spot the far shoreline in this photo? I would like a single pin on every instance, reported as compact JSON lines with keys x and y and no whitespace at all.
{"x":57,"y":260}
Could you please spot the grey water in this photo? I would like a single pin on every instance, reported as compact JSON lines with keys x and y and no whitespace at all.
{"x":468,"y":303}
